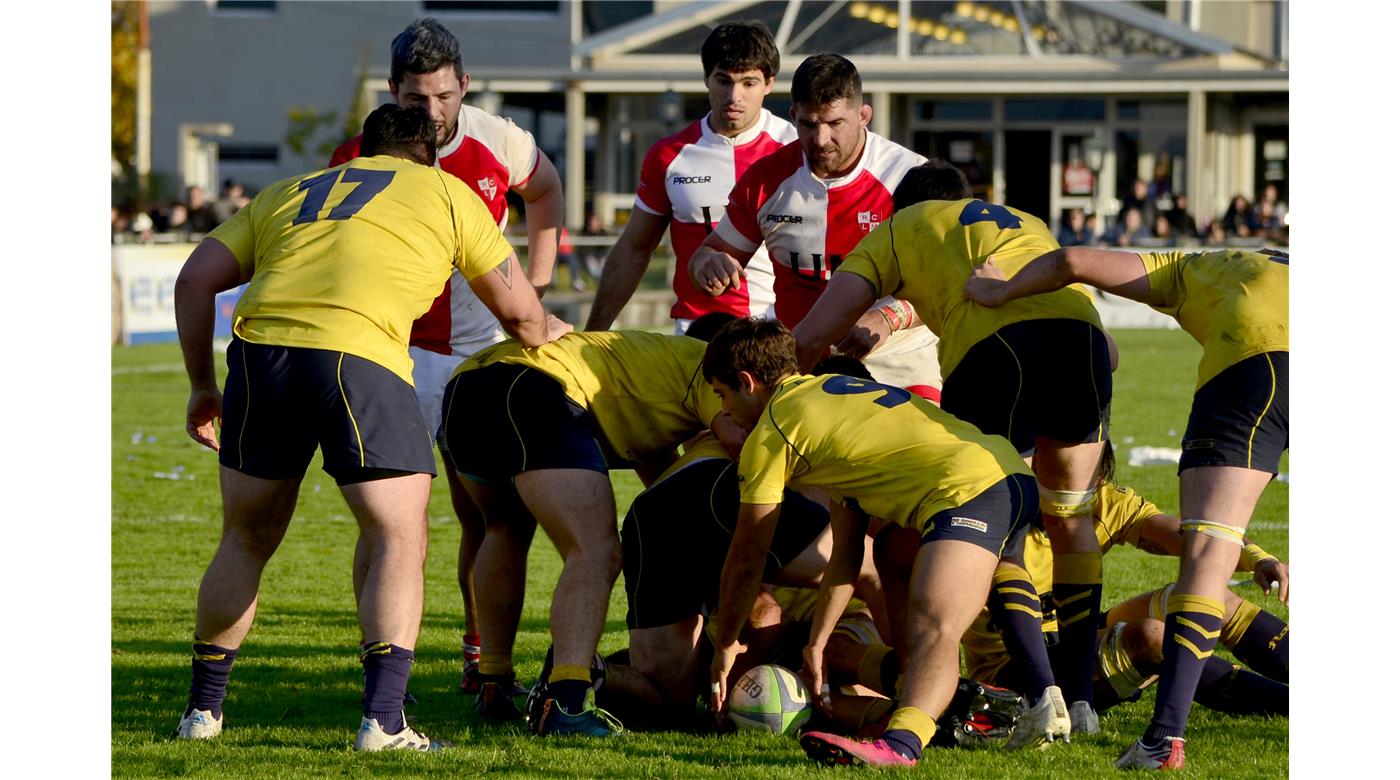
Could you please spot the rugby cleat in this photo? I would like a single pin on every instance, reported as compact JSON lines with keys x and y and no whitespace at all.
{"x":1083,"y":719}
{"x":555,"y":721}
{"x":537,"y":695}
{"x":372,"y":739}
{"x":1170,"y":753}
{"x":1042,"y":724}
{"x":471,"y":677}
{"x":979,"y":715}
{"x":200,"y":724}
{"x":836,"y":750}
{"x":495,"y":703}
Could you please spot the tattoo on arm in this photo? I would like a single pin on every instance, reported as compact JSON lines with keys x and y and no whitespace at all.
{"x":504,"y":270}
{"x":1152,"y":548}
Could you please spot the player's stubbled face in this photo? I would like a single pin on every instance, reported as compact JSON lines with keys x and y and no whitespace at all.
{"x":736,"y":97}
{"x":832,"y":136}
{"x":744,"y":408}
{"x":439,"y":93}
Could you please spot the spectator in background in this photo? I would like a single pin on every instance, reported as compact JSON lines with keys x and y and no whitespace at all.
{"x":177,"y":220}
{"x":233,"y":198}
{"x":1181,"y":220}
{"x":1236,"y":219}
{"x":1141,"y":199}
{"x":1129,"y":231}
{"x":1216,"y":235}
{"x":201,"y":211}
{"x":593,"y":256}
{"x":1074,"y":231}
{"x":569,"y":256}
{"x":1270,"y":195}
{"x":1163,"y":233}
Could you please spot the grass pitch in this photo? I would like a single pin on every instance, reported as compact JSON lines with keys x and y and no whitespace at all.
{"x":294,"y":697}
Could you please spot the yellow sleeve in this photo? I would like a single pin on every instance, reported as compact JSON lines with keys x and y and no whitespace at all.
{"x":702,"y":401}
{"x":764,"y":465}
{"x":1123,"y":513}
{"x":1164,"y":278}
{"x":873,"y":260}
{"x":236,"y":233}
{"x":480,"y":245}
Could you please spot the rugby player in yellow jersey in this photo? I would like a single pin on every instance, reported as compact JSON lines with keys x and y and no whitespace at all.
{"x":1038,"y":373}
{"x":877,"y":451}
{"x":338,"y":264}
{"x":1235,"y":304}
{"x":534,"y":431}
{"x":1130,"y":651}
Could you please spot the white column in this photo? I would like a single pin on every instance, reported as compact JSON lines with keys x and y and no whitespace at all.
{"x":573,"y":152}
{"x":1197,"y":166}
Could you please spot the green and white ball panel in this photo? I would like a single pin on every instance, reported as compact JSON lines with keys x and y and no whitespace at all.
{"x":770,"y":698}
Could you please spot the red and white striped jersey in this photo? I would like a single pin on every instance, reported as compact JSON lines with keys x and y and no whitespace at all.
{"x":491,"y":155}
{"x":808,"y":224}
{"x":687,"y":177}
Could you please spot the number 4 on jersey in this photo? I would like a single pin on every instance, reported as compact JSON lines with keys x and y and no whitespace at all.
{"x":981,"y":211}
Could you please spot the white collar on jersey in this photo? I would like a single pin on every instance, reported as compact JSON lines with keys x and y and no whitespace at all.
{"x":871,"y":139}
{"x":708,"y":133}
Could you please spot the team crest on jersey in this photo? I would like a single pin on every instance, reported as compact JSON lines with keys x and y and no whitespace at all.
{"x":487,"y":186}
{"x":868,"y":221}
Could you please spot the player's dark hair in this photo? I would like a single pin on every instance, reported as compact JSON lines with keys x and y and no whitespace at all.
{"x":842,"y":364}
{"x":764,"y":348}
{"x":934,"y":180}
{"x":739,"y":46}
{"x":706,"y":325}
{"x":823,"y":79}
{"x":423,"y":47}
{"x":402,"y":132}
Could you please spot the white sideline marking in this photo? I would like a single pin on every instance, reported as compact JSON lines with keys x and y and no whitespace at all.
{"x":154,"y":368}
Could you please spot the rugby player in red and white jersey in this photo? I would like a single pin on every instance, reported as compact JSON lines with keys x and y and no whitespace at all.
{"x":686,"y":179}
{"x":491,"y":155}
{"x":809,"y":204}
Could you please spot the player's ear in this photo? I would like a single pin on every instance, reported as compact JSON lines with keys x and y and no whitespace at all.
{"x":393,"y":90}
{"x":466,"y":79}
{"x":768,"y":86}
{"x":866,"y":112}
{"x":747,"y":383}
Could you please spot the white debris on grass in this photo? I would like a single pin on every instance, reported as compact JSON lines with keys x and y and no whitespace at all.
{"x":1282,"y":476}
{"x":1153,"y":456}
{"x":176,"y":473}
{"x":136,"y":437}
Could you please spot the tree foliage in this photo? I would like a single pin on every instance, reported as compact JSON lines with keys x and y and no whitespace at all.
{"x":125,"y":41}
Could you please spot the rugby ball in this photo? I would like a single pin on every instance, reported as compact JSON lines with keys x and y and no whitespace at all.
{"x":770,"y":698}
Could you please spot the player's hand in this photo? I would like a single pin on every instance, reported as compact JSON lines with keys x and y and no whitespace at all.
{"x":1270,"y":573}
{"x":730,"y":434}
{"x":714,"y":272}
{"x":813,"y":657}
{"x":555,"y":327}
{"x":720,"y":667}
{"x":204,"y":409}
{"x":869,"y":332}
{"x":987,"y":285}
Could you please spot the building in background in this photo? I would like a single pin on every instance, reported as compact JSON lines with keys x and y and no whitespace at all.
{"x":1046,"y":104}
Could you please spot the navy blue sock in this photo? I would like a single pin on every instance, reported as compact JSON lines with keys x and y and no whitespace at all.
{"x":569,"y":694}
{"x":905,"y":743}
{"x":210,"y":667}
{"x":386,"y":680}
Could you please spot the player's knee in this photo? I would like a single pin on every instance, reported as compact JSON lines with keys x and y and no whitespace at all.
{"x":1142,"y":640}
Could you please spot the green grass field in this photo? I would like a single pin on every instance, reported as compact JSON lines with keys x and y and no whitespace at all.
{"x":294,"y":702}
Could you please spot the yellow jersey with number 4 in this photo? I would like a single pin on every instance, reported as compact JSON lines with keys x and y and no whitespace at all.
{"x":346,"y":258}
{"x":896,"y":455}
{"x":926,"y":253}
{"x":1234,"y":302}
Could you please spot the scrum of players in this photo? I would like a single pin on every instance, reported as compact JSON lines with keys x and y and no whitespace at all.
{"x":876,"y":448}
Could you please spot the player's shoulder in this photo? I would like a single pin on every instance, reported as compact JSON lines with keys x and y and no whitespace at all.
{"x":346,"y":151}
{"x":485,"y":126}
{"x":776,"y":167}
{"x":889,"y":161}
{"x":774,"y":129}
{"x":667,"y":148}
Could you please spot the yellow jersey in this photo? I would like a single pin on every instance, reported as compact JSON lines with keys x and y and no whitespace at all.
{"x":645,"y":391}
{"x":1118,"y":519}
{"x":1234,"y":302}
{"x":926,"y":253}
{"x":894,"y":454}
{"x":346,"y":258}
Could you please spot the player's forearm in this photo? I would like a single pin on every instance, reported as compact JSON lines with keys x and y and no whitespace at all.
{"x":622,"y":274}
{"x":743,"y":570}
{"x":543,"y":217}
{"x":194,"y":322}
{"x":530,"y":329}
{"x":1251,"y":555}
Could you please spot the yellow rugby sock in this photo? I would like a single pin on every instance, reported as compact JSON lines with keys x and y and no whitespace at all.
{"x":496,"y":665}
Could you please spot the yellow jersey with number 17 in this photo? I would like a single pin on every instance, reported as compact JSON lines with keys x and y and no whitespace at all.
{"x":896,"y":455}
{"x":926,"y":253}
{"x":346,"y":258}
{"x":1235,"y":303}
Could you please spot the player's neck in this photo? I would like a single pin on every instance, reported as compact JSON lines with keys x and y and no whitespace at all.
{"x":726,"y":132}
{"x":452,"y":136}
